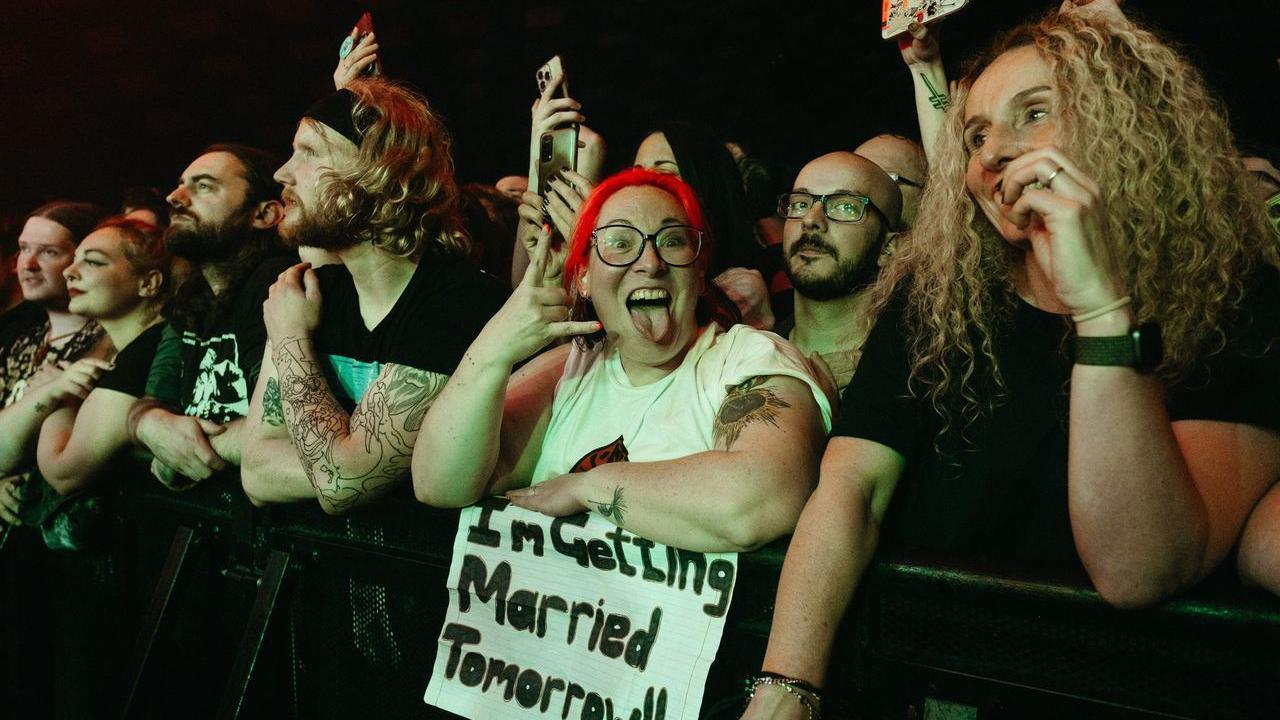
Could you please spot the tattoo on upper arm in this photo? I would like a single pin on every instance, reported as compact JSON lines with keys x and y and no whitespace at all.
{"x":743,"y":405}
{"x":938,"y":100}
{"x":615,"y":508}
{"x":272,"y":414}
{"x":387,"y":419}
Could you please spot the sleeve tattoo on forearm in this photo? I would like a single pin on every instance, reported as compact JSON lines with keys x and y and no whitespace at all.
{"x":388,"y":419}
{"x":744,"y":404}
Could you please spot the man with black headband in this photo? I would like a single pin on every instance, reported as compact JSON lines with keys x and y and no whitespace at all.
{"x":839,"y":215}
{"x":223,"y":216}
{"x":358,"y":351}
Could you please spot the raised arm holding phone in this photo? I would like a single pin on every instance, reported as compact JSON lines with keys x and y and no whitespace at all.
{"x":554,"y":199}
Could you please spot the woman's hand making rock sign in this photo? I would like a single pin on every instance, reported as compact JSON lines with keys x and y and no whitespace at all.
{"x":533,"y":317}
{"x":1063,"y":213}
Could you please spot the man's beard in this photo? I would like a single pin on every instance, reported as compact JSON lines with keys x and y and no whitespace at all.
{"x":201,"y":241}
{"x":317,"y":229}
{"x":850,"y":275}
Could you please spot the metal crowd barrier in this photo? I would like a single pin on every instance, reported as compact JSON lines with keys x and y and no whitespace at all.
{"x":287,"y":612}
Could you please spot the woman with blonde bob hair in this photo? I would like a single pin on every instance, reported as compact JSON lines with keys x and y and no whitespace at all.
{"x":1015,"y":399}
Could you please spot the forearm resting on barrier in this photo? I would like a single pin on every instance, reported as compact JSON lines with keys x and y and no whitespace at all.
{"x":832,"y":546}
{"x":1155,"y":506}
{"x":714,"y":501}
{"x":348,"y":460}
{"x":77,"y":443}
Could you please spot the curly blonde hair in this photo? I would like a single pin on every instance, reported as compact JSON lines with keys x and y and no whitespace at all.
{"x":1136,"y":116}
{"x":400,"y":195}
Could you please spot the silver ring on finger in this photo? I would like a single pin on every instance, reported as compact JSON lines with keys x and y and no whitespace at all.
{"x":1048,"y":182}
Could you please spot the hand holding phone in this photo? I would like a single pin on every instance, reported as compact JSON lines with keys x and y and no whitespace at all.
{"x":554,"y":140}
{"x":358,"y":54}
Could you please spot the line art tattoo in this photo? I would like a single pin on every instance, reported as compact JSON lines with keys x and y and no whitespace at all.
{"x":386,"y":420}
{"x":614,"y":509}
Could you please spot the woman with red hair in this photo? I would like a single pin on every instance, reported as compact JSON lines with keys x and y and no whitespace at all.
{"x":662,"y":415}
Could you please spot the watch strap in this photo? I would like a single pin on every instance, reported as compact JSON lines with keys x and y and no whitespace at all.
{"x":1111,"y":350}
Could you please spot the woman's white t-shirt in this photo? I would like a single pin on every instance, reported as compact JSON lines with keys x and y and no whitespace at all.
{"x":598,"y":416}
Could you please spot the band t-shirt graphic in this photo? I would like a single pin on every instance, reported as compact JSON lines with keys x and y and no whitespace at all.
{"x":220,"y":360}
{"x":218,"y":389}
{"x":615,"y":451}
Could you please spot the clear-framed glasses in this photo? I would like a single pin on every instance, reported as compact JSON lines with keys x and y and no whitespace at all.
{"x":621,"y":245}
{"x":840,"y":207}
{"x":904,"y":181}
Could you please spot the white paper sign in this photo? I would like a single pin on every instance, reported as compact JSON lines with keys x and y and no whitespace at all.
{"x":575,"y":618}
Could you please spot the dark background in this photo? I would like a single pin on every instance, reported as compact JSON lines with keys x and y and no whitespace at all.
{"x":99,"y":96}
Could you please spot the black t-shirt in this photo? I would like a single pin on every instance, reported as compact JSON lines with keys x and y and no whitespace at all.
{"x":220,"y":365}
{"x":132,"y":364}
{"x":1003,"y":493}
{"x":433,"y":322}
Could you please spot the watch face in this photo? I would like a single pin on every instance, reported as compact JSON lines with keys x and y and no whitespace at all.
{"x":1148,"y":346}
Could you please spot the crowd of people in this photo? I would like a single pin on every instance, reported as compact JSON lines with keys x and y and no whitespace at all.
{"x":1046,"y":333}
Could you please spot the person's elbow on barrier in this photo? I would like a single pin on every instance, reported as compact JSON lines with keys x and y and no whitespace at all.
{"x":255,"y":475}
{"x":435,"y":488}
{"x":753,"y":521}
{"x":1132,"y":583}
{"x":66,"y":485}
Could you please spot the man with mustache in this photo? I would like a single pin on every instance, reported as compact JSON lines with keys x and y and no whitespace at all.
{"x":839,"y":214}
{"x":223,"y":216}
{"x":357,"y":351}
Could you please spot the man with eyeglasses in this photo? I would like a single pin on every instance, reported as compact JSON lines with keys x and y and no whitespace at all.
{"x":903,"y":159}
{"x":838,"y":217}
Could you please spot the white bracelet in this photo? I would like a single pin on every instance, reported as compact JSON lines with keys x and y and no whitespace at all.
{"x":1099,"y":312}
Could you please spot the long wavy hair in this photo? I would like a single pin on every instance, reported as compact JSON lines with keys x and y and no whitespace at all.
{"x":1136,"y":116}
{"x":400,"y":195}
{"x":713,"y":305}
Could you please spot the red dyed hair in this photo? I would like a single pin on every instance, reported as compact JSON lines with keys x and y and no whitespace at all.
{"x":144,"y":248}
{"x":713,"y":305}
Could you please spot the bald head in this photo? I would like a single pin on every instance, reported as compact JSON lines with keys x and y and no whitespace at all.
{"x":904,"y":158}
{"x":829,"y":259}
{"x":846,"y":171}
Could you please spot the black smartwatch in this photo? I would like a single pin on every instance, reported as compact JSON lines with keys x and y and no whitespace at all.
{"x":1141,"y":349}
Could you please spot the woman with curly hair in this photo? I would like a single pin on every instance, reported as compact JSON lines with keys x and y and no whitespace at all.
{"x":1013,"y":400}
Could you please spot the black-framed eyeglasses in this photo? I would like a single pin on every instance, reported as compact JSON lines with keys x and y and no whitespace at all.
{"x":840,"y":207}
{"x":904,"y":181}
{"x":621,"y":245}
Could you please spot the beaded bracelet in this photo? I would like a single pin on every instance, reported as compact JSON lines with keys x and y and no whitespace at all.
{"x":808,"y":695}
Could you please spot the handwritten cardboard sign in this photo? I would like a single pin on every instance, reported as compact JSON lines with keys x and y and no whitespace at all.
{"x":576,"y":618}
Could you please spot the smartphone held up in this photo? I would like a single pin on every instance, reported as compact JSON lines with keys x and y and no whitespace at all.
{"x":556,"y":150}
{"x":362,"y":29}
{"x":897,"y":15}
